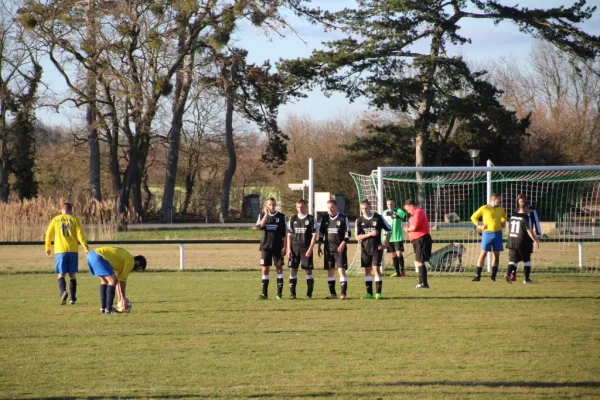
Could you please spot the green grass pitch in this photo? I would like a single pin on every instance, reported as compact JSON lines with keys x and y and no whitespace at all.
{"x":202,"y":335}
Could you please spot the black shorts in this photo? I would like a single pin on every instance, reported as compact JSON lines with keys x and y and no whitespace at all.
{"x":518,"y":255}
{"x":393,"y":247}
{"x":335,"y":260}
{"x":298,"y":259}
{"x":371,"y":260}
{"x":268,"y":258}
{"x":422,"y":247}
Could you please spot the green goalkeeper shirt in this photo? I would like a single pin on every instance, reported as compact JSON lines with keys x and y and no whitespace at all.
{"x":395,"y":218}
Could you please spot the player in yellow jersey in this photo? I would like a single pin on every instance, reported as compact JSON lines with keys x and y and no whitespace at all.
{"x":493,"y":218}
{"x":67,"y":233}
{"x":113,"y":266}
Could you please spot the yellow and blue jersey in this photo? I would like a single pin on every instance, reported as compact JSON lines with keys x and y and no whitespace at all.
{"x":119,"y":259}
{"x":493,"y":217}
{"x":67,"y":233}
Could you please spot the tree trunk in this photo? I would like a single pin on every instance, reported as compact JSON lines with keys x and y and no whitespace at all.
{"x":4,"y":165}
{"x":93,"y":143}
{"x":183,"y":83}
{"x":232,"y":166}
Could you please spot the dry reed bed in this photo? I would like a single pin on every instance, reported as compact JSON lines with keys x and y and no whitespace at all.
{"x":27,"y":220}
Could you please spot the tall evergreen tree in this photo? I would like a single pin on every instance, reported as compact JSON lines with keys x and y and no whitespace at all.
{"x":396,"y":54}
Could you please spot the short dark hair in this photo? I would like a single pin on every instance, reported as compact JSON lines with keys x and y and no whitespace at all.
{"x":68,"y":207}
{"x":301,"y":201}
{"x":332,"y":202}
{"x":391,"y":200}
{"x":493,"y":195}
{"x":365,"y":201}
{"x":141,"y":262}
{"x":410,"y":202}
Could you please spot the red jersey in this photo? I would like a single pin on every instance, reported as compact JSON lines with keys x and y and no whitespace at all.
{"x":420,"y":222}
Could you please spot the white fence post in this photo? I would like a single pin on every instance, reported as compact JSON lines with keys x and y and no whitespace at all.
{"x":181,"y":256}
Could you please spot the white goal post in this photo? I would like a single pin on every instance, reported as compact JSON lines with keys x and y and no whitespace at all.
{"x":567,"y":198}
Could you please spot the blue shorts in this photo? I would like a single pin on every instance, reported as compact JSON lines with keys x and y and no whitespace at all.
{"x":66,"y":263}
{"x":98,"y":266}
{"x":492,"y":240}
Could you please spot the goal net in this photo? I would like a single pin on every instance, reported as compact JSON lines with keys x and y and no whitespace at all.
{"x":566,"y":199}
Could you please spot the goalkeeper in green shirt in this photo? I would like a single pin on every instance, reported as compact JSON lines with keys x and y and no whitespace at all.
{"x":394,"y":217}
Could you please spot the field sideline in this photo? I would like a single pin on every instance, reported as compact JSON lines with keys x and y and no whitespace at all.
{"x":202,"y":335}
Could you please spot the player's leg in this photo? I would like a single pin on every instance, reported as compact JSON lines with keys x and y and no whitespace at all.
{"x":73,"y":269}
{"x":400,"y":257}
{"x":278,"y":261}
{"x":498,"y":246}
{"x":92,"y":260}
{"x":422,"y":256}
{"x":266,"y":260}
{"x":366,"y":262}
{"x":513,"y":261}
{"x":293,"y":280}
{"x":330,"y":267}
{"x":377,"y":272}
{"x":60,"y":268}
{"x":392,"y":251}
{"x":526,"y":255}
{"x":111,"y":291}
{"x":342,"y":265}
{"x":487,"y":239}
{"x":307,"y":265}
{"x":73,"y":286}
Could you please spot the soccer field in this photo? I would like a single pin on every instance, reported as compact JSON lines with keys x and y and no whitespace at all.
{"x":203,"y":335}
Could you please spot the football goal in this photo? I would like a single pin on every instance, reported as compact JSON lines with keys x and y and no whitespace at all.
{"x":566,"y":199}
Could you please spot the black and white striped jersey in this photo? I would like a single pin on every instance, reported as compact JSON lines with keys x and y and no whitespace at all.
{"x":334,"y":230}
{"x":274,"y":231}
{"x":301,"y":230}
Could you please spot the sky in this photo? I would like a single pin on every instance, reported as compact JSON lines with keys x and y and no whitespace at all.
{"x":489,"y":43}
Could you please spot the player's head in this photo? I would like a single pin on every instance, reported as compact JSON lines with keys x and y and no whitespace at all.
{"x":409,"y":205}
{"x":140,"y":263}
{"x":365,"y":207}
{"x":495,"y":200}
{"x":271,"y":205}
{"x":332,"y":207}
{"x":522,"y":203}
{"x":391,"y":204}
{"x":301,"y":206}
{"x":66,"y":208}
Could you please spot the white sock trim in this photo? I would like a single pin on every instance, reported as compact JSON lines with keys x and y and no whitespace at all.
{"x":310,"y":277}
{"x":343,"y":278}
{"x":265,"y":277}
{"x":331,"y":278}
{"x":279,"y":276}
{"x":378,"y":278}
{"x":294,"y":277}
{"x":368,"y":278}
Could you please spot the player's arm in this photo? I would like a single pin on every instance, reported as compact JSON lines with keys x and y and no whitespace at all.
{"x":283,"y":231}
{"x":290,"y":230}
{"x":536,"y":224}
{"x":477,"y":216}
{"x":533,"y":237}
{"x":359,"y":232}
{"x":342,"y":245}
{"x":414,"y":222}
{"x":122,"y":299}
{"x":387,"y":228}
{"x":261,"y":221}
{"x":322,"y":232}
{"x":503,"y":218}
{"x":81,"y":237}
{"x":48,"y":238}
{"x":313,"y":240}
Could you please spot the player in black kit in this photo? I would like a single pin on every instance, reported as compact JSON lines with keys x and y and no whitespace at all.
{"x":520,"y":243}
{"x":272,"y":246}
{"x":368,"y":232}
{"x":302,"y":235}
{"x":335,"y":232}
